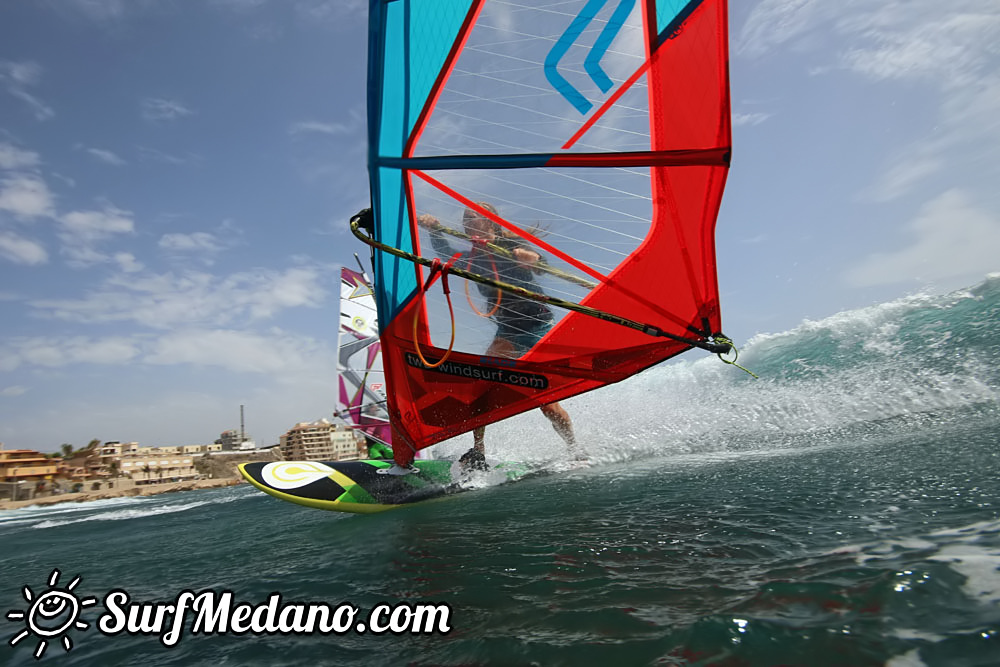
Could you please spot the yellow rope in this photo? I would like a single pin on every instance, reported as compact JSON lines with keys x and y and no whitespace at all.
{"x":736,"y":355}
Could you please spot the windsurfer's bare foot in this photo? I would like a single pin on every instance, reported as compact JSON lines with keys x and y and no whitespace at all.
{"x":474,"y":459}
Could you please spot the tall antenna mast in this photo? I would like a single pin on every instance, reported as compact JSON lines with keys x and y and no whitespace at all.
{"x":243,"y":436}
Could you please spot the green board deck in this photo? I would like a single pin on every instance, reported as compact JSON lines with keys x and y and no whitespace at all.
{"x":361,"y":487}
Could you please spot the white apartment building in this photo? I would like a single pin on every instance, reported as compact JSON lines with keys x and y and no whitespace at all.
{"x":321,"y":441}
{"x":160,"y":467}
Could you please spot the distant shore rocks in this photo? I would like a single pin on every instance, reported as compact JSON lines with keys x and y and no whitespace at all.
{"x":145,"y":490}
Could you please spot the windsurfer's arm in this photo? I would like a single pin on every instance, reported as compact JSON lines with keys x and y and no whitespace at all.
{"x":526,"y":258}
{"x":429,"y":222}
{"x":438,"y":240}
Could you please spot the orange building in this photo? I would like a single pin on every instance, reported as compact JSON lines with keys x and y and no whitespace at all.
{"x":27,"y":465}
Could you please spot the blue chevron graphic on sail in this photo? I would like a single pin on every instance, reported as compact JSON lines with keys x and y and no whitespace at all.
{"x":592,"y":63}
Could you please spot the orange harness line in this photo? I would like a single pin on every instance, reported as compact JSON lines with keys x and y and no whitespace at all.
{"x":437,"y":270}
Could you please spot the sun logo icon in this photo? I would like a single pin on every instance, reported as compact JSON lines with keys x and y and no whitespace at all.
{"x":51,"y":615}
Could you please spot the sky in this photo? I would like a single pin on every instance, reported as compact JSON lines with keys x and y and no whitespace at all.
{"x":176,"y":179}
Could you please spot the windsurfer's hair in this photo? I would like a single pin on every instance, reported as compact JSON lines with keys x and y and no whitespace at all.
{"x":472,"y":217}
{"x":471,"y":213}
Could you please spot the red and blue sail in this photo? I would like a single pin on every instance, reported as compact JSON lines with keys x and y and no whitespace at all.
{"x":599,"y":132}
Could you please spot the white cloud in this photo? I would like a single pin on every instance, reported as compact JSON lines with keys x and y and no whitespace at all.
{"x":310,"y":10}
{"x":291,"y":289}
{"x":26,"y":196}
{"x":317,"y":127}
{"x":103,"y":351}
{"x":239,"y":5}
{"x":16,"y":76}
{"x":776,"y":22}
{"x":65,"y":179}
{"x":968,"y":134}
{"x":81,"y":232}
{"x":14,"y":390}
{"x":332,"y":10}
{"x":241,"y":351}
{"x":9,"y":359}
{"x":83,"y":256}
{"x":195,"y":242}
{"x":159,"y":109}
{"x":949,"y":44}
{"x":128,"y":263}
{"x":951,"y":239}
{"x":41,"y":110}
{"x":273,"y":352}
{"x":902,"y":176}
{"x":750,"y":118}
{"x":101,"y":10}
{"x":950,"y":47}
{"x":106,"y":156}
{"x":153,"y":155}
{"x":90,"y":226}
{"x":12,"y":157}
{"x":20,"y":250}
{"x":20,"y":73}
{"x":163,"y":301}
{"x":889,"y":39}
{"x":54,"y":352}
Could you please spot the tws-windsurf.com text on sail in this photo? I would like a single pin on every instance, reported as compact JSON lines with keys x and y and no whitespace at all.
{"x":218,"y":613}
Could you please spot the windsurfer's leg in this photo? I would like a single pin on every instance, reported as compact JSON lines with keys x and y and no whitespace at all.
{"x":501,"y":347}
{"x":563,"y":425}
{"x":475,"y":458}
{"x":561,"y":422}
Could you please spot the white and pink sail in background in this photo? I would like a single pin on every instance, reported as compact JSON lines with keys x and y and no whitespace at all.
{"x":361,"y":395}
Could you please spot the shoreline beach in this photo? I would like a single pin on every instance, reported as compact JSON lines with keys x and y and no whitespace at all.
{"x":146,"y":490}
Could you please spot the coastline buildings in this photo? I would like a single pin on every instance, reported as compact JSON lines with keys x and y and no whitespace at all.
{"x":26,"y":465}
{"x":22,"y":471}
{"x":155,"y":465}
{"x":145,"y":464}
{"x":25,"y":473}
{"x":233,"y":440}
{"x":321,"y":440}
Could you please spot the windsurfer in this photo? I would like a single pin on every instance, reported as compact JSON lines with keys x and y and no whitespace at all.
{"x":520,"y":322}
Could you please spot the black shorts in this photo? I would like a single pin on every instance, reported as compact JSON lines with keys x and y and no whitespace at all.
{"x":524,"y":332}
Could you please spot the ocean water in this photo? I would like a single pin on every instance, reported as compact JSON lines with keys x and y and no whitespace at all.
{"x":842,"y":510}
